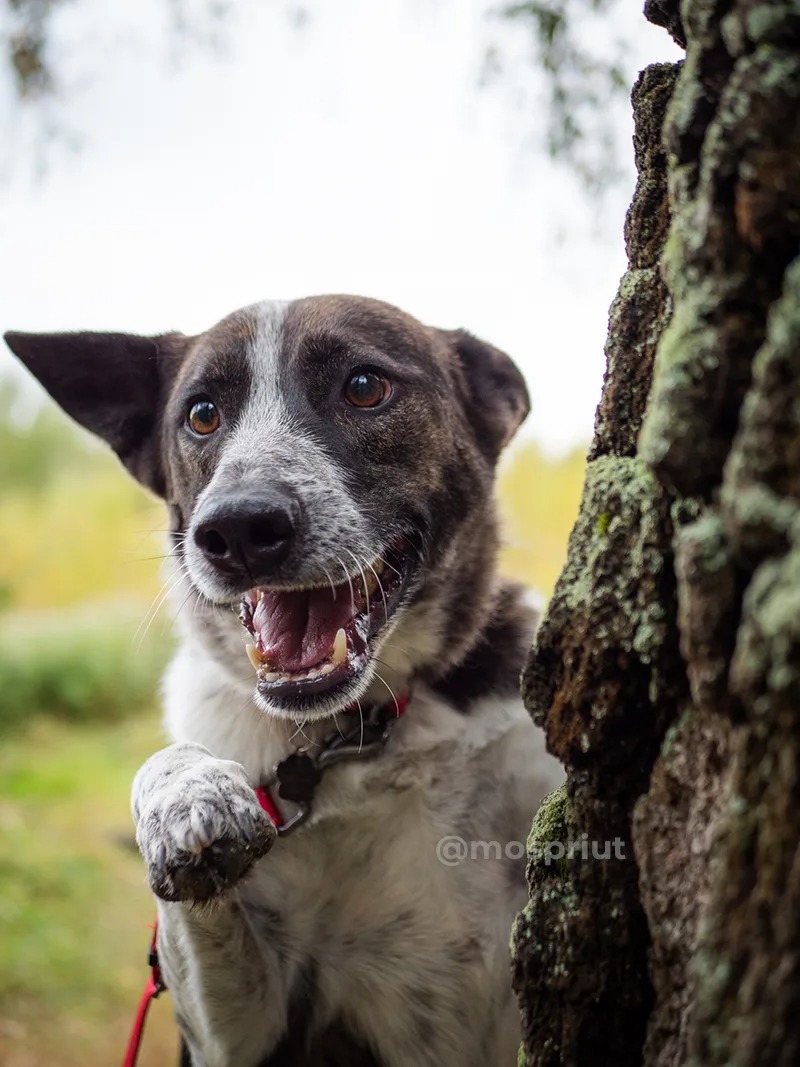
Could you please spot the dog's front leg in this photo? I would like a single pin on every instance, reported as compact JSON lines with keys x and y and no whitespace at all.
{"x":200,"y":829}
{"x":199,"y":825}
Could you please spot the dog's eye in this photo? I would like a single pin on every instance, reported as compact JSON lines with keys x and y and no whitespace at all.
{"x":203,"y":417}
{"x":366,"y":389}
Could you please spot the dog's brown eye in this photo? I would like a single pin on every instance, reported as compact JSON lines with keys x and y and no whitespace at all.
{"x":203,"y":417}
{"x":366,"y":389}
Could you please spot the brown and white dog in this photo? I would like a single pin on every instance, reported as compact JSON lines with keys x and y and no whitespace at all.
{"x":328,"y":465}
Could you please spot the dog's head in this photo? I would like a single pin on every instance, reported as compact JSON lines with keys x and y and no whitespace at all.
{"x":328,"y":465}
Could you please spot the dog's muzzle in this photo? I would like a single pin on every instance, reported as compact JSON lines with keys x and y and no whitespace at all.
{"x":312,"y":641}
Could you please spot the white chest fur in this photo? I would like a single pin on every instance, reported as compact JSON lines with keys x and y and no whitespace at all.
{"x":360,"y":908}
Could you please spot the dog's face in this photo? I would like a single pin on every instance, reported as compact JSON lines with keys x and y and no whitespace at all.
{"x":328,"y":466}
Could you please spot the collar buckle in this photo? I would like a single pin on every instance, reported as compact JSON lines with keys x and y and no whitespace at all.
{"x":294,"y":821}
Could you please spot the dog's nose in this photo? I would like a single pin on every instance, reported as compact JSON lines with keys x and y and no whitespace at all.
{"x":248,"y":536}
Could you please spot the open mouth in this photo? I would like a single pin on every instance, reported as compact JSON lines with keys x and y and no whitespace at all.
{"x":307,"y":642}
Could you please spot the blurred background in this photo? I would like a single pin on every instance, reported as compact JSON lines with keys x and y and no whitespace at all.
{"x":164,"y":163}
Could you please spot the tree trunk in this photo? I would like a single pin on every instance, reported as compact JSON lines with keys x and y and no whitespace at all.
{"x":666,"y":673}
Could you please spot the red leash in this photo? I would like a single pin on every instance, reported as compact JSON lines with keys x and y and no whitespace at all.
{"x":154,"y":987}
{"x":269,"y":806}
{"x":155,"y":983}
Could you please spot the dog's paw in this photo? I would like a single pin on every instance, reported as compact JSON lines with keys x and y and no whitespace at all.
{"x":199,"y":825}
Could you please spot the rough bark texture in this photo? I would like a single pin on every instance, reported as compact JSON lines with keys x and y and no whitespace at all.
{"x":667,"y":671}
{"x":600,"y":679}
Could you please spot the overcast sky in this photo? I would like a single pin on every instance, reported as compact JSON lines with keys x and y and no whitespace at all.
{"x":355,"y":152}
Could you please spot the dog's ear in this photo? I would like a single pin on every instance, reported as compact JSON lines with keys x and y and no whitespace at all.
{"x":497,"y":397}
{"x":114,"y":384}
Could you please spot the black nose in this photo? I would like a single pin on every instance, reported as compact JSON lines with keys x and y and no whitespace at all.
{"x":247,"y":537}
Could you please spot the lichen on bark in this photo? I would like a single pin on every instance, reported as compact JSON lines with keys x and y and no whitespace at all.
{"x":596,"y":678}
{"x":722,"y":425}
{"x":666,"y":672}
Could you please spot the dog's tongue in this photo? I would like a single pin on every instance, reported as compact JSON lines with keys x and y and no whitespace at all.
{"x":296,"y":630}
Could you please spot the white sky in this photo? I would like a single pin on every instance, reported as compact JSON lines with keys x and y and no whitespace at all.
{"x":356,"y":154}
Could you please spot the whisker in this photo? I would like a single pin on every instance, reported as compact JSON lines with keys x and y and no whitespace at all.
{"x":181,"y":606}
{"x":361,"y":718}
{"x":246,"y":705}
{"x":363,"y":575}
{"x":386,"y":563}
{"x":330,"y":580}
{"x":399,"y":648}
{"x":391,"y":691}
{"x":383,"y":594}
{"x":349,"y":580}
{"x":164,"y":592}
{"x":300,"y":730}
{"x":418,"y":549}
{"x":147,"y":559}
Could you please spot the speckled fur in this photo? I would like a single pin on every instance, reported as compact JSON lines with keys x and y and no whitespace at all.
{"x":349,"y":942}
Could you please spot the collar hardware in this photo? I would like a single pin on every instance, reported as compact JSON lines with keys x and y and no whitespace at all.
{"x":300,"y":773}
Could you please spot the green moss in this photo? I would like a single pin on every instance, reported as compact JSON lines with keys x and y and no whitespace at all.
{"x":550,"y":821}
{"x":764,"y":22}
{"x":685,"y":354}
{"x":766,"y":661}
{"x":615,"y":556}
{"x":710,"y":546}
{"x":760,"y":489}
{"x":759,"y":510}
{"x":634,"y":280}
{"x":737,"y":805}
{"x":673,"y":733}
{"x":713,"y":974}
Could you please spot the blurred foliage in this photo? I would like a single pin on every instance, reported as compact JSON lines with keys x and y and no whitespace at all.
{"x":24,"y":37}
{"x":72,"y":526}
{"x":574,"y":44}
{"x":575,"y":54}
{"x":74,"y":906}
{"x":36,"y":444}
{"x":78,"y":664}
{"x":539,"y":498}
{"x":78,"y":571}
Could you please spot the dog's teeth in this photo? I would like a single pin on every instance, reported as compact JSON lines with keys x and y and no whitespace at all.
{"x":327,"y":669}
{"x":377,"y":566}
{"x":272,"y":676}
{"x":258,"y":659}
{"x":372,"y":583}
{"x":339,"y":650}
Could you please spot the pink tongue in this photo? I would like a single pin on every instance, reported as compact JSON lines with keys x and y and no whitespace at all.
{"x":297,"y":630}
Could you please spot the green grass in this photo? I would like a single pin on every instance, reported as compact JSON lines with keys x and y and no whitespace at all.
{"x":74,"y":907}
{"x":80,"y":663}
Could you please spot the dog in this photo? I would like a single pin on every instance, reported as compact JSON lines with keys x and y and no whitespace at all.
{"x":328,"y":467}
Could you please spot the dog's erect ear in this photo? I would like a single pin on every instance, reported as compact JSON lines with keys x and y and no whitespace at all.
{"x":497,"y":397}
{"x":114,"y":384}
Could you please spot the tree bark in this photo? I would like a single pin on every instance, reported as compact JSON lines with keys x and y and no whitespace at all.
{"x":666,"y":673}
